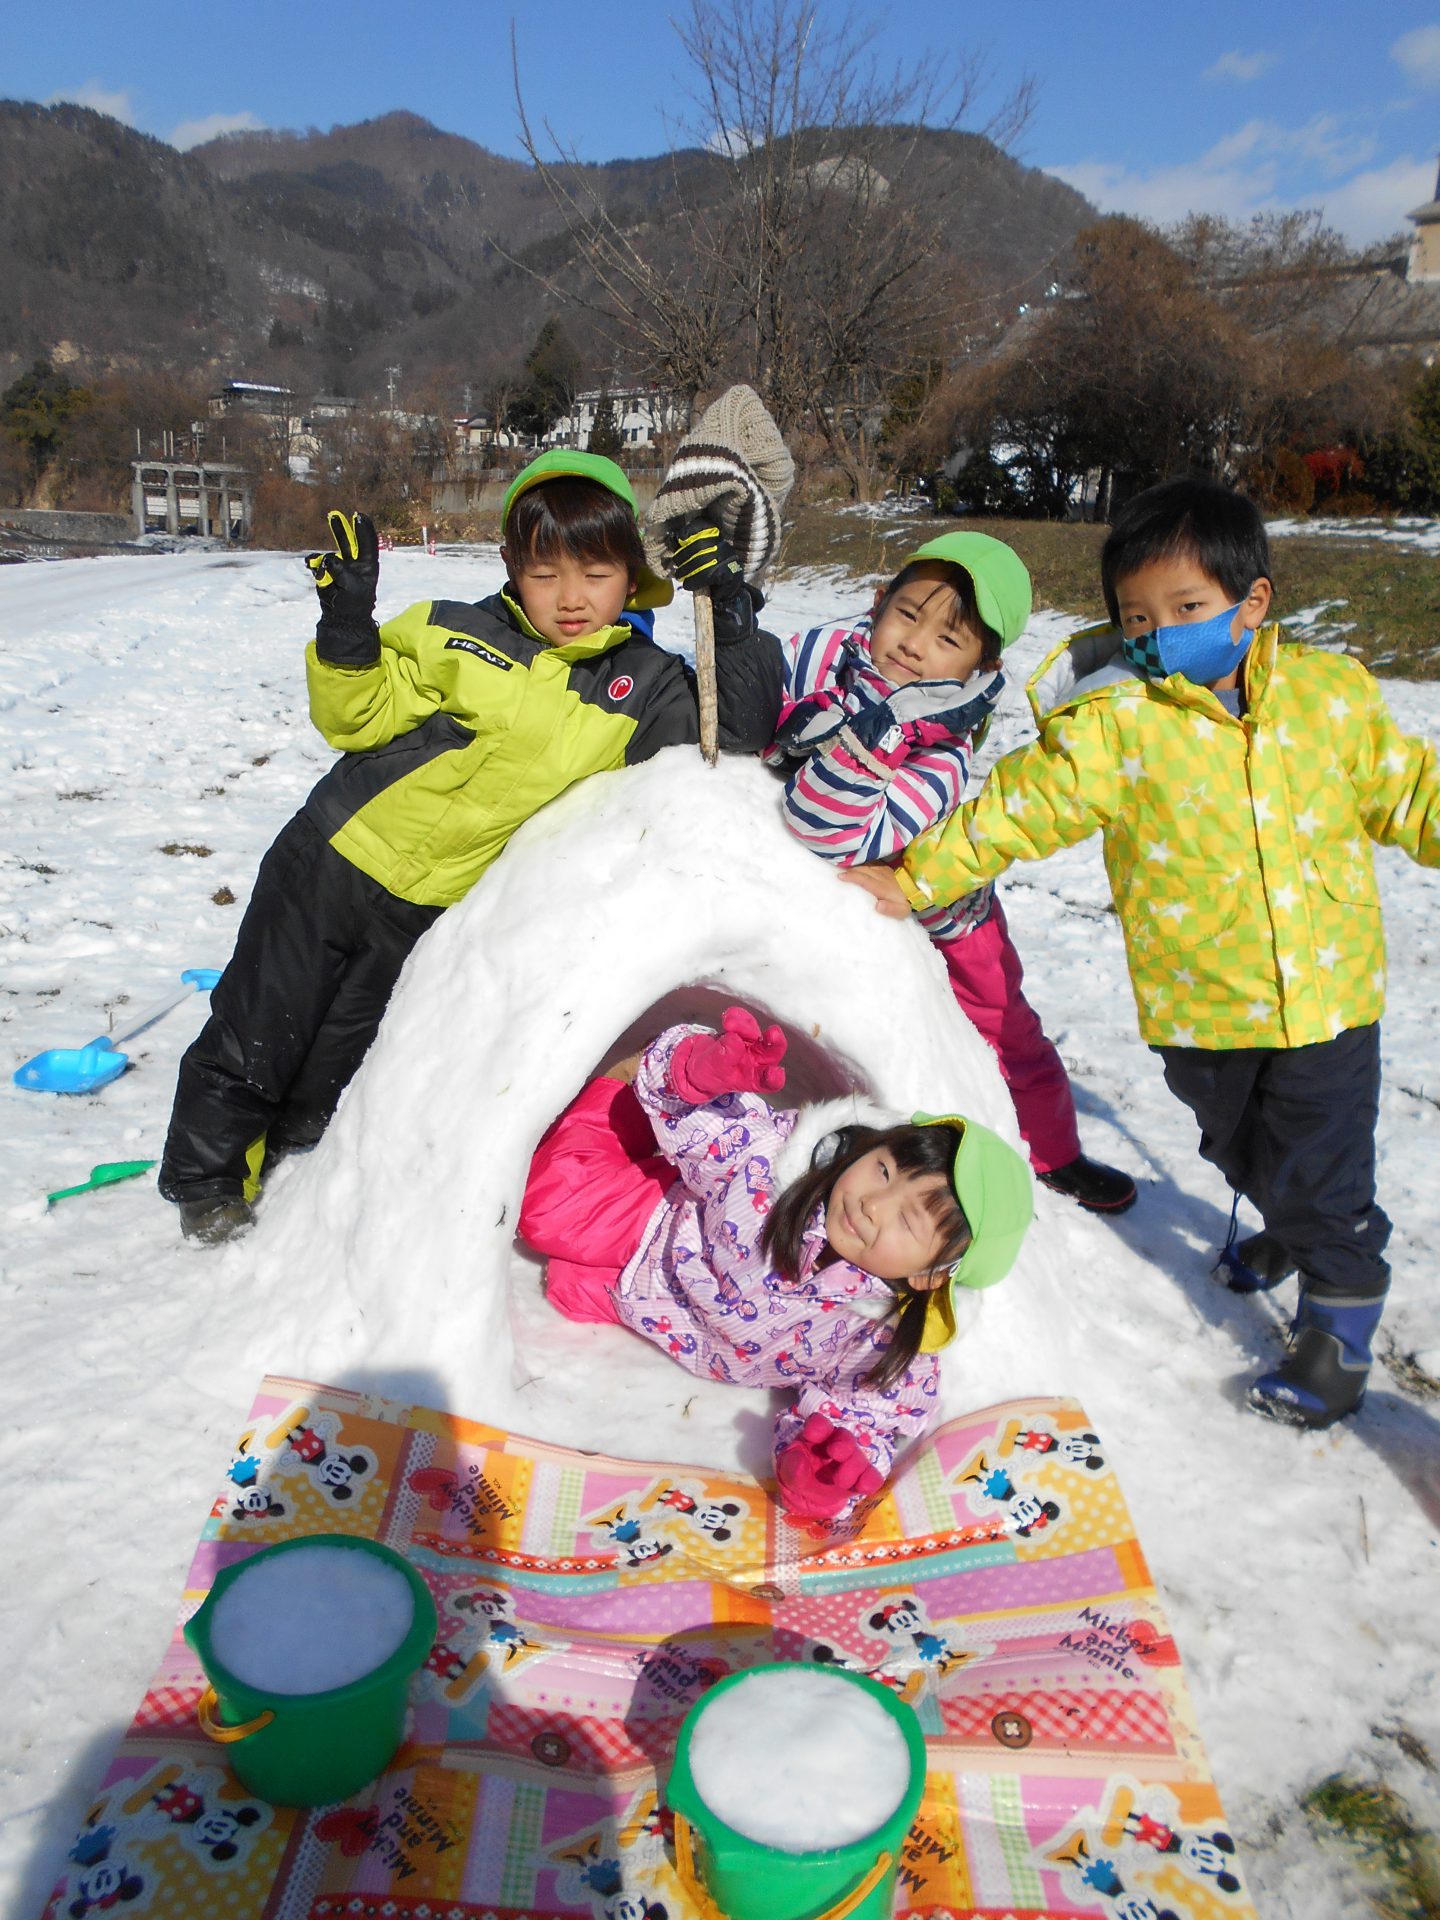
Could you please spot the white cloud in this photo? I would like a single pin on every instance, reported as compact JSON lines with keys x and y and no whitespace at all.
{"x":1374,"y":204}
{"x":194,"y":133}
{"x":112,"y":100}
{"x":1263,"y":167}
{"x":1240,"y":66}
{"x":1418,"y":53}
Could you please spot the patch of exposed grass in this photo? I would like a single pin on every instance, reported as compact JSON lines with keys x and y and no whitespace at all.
{"x":1406,"y":1371}
{"x":175,"y":848}
{"x":1382,"y":600}
{"x":223,"y":897}
{"x":1373,"y":1823}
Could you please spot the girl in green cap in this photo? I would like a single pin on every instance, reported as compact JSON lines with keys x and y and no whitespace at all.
{"x":455,"y":722}
{"x":752,"y":1245}
{"x":874,"y":741}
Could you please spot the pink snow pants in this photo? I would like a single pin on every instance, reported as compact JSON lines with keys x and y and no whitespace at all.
{"x":986,"y":978}
{"x":593,"y":1184}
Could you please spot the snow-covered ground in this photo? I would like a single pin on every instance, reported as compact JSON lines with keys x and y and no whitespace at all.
{"x":153,"y":736}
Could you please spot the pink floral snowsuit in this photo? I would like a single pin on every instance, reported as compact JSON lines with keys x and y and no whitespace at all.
{"x":698,"y":1284}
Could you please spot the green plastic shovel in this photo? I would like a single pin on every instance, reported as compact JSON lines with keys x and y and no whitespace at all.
{"x":103,"y":1176}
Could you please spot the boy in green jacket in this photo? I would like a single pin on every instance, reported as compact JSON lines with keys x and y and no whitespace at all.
{"x":1237,"y":784}
{"x":456,"y":722}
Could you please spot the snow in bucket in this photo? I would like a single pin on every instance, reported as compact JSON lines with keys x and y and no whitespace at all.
{"x":790,"y":1759}
{"x":312,"y":1619}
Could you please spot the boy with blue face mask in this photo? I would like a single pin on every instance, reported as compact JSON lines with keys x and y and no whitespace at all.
{"x":1237,"y":783}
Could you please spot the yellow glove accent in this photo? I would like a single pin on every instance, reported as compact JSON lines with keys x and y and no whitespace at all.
{"x":347,"y":547}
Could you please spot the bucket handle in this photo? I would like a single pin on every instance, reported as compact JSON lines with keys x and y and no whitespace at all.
{"x":699,"y":1893}
{"x":205,"y":1714}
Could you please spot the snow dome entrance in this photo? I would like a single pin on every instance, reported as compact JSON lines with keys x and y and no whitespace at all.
{"x":669,"y":891}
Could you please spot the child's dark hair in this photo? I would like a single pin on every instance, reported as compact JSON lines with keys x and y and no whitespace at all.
{"x":575,"y":517}
{"x":966,"y":611}
{"x":917,"y":1150}
{"x":1220,"y":530}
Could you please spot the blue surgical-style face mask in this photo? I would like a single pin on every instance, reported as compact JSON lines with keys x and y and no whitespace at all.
{"x":1204,"y":651}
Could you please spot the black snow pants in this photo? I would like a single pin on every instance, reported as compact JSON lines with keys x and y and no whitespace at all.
{"x":292,"y":1016}
{"x":1293,"y":1129}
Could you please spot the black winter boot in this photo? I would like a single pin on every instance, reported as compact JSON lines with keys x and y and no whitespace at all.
{"x":212,"y":1222}
{"x":1091,"y":1185}
{"x":1255,"y":1265}
{"x":1322,"y":1377}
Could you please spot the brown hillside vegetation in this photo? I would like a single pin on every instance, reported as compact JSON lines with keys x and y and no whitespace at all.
{"x":317,"y":259}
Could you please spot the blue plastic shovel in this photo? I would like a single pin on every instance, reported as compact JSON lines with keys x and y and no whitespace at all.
{"x":86,"y":1069}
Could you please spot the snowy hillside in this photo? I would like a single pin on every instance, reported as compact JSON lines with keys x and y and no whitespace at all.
{"x":153,"y":736}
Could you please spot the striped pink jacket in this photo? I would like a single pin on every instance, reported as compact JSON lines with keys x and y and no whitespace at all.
{"x":849,"y":811}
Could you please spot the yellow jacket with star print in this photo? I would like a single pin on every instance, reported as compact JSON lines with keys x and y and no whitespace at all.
{"x":1237,"y":849}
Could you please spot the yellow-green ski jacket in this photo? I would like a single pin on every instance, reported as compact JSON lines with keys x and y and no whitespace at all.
{"x":466,"y":722}
{"x":1237,"y":849}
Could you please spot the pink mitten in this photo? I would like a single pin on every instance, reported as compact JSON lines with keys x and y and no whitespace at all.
{"x":823,"y":1471}
{"x":741,"y":1059}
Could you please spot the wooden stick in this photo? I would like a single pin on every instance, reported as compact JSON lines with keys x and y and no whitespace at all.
{"x":705,"y":677}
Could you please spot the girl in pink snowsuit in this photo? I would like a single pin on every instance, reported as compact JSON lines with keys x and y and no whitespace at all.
{"x":668,"y":1206}
{"x":874,"y":742}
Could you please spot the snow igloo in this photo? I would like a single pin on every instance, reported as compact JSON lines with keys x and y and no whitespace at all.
{"x":388,"y":1256}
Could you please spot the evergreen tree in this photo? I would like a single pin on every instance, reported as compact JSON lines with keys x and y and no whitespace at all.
{"x":605,"y":436}
{"x":553,"y":373}
{"x":35,"y":408}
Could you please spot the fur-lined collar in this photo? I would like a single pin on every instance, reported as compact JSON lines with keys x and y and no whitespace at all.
{"x":822,"y":1117}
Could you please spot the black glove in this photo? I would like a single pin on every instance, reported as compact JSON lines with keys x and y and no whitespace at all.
{"x":346,"y":581}
{"x":699,"y":556}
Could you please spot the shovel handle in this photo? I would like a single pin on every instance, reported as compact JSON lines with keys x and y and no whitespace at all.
{"x":227,"y":1736}
{"x":200,"y":979}
{"x":705,"y":678}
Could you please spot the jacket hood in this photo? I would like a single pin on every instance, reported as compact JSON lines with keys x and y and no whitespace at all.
{"x":1088,"y":662}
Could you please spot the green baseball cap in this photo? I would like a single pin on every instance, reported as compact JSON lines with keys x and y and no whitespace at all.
{"x":993,"y":1185}
{"x":569,"y":463}
{"x":1002,"y":584}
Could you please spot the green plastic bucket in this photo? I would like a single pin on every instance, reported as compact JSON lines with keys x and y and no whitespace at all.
{"x":309,"y":1749}
{"x":746,"y":1879}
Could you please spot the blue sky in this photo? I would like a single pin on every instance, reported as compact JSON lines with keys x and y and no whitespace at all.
{"x":1147,"y":108}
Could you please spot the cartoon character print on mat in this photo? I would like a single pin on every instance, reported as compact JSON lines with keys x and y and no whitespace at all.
{"x":187,"y":1801}
{"x":493,"y":1607}
{"x":105,"y":1877}
{"x":1115,"y":1852}
{"x":903,"y":1619}
{"x":1095,"y":1879}
{"x":634,"y":1539}
{"x":313,"y":1442}
{"x":1204,"y":1856}
{"x":714,"y":1518}
{"x":1068,"y":1449}
{"x":667,"y":1514}
{"x":455,"y":1665}
{"x":601,"y":1865}
{"x":245,"y":1496}
{"x":1024,"y":1513}
{"x":171,"y":1800}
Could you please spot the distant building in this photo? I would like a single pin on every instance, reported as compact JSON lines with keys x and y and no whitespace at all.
{"x":251,"y":396}
{"x":209,"y":497}
{"x":642,"y":416}
{"x":306,"y":428}
{"x":1424,"y":259}
{"x":476,"y":433}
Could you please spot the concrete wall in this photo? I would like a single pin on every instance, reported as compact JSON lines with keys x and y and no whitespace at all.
{"x":86,"y":527}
